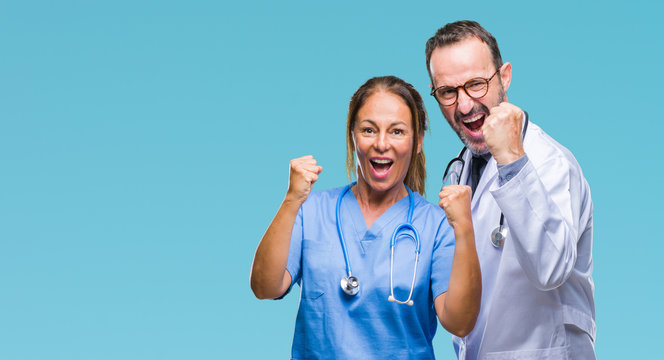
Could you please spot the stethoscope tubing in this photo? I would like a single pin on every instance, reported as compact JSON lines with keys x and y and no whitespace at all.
{"x":408,"y":225}
{"x":340,"y":231}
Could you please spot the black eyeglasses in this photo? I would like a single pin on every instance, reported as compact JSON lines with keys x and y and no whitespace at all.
{"x":475,"y":88}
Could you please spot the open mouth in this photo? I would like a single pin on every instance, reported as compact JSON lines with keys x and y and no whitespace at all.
{"x":381,"y":167}
{"x":474,"y":123}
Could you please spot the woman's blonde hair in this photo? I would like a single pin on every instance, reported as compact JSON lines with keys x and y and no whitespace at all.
{"x":416,"y":169}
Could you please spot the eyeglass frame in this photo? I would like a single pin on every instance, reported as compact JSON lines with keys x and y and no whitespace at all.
{"x":456,"y":88}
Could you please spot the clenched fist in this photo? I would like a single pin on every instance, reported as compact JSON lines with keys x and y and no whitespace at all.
{"x":303,"y":174}
{"x":502,"y":133}
{"x":455,"y":200}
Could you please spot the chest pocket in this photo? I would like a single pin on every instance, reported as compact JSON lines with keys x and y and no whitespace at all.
{"x":316,"y":270}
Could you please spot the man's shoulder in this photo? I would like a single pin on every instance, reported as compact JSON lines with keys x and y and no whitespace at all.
{"x":542,"y":148}
{"x":552,"y":160}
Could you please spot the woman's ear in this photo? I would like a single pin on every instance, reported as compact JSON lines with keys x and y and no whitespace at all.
{"x":420,"y":141}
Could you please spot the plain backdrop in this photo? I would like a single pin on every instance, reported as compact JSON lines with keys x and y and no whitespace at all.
{"x":144,"y":148}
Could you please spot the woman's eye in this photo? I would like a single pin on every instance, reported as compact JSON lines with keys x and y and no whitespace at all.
{"x":367,"y":130}
{"x":398,"y":132}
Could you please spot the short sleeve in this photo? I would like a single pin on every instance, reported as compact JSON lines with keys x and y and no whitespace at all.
{"x":294,"y":264}
{"x":441,"y":259}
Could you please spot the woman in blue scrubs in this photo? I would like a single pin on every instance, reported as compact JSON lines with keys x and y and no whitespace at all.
{"x":385,"y":130}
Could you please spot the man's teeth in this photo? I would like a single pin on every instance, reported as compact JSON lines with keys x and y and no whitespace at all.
{"x":472,"y":119}
{"x":382,"y":161}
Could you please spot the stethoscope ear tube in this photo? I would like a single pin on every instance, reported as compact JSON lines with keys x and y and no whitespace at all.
{"x":459,"y":158}
{"x":391,"y":298}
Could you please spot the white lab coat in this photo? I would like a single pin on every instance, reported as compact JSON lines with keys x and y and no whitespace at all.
{"x":537,"y":298}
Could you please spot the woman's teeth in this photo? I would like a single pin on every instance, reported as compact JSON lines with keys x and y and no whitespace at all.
{"x":381,"y":165}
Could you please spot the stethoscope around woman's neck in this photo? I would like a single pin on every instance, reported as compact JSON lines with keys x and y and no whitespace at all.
{"x":349,"y":283}
{"x":498,"y":234}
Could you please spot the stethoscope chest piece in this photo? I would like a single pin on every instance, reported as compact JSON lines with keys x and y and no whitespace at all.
{"x":498,"y":236}
{"x":350,"y":285}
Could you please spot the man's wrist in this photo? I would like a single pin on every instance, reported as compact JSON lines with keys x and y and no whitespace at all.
{"x":508,"y":171}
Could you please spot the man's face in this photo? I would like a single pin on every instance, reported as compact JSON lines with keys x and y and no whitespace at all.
{"x":453,"y":65}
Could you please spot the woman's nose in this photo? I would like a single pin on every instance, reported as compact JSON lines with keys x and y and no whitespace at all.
{"x":382,"y":142}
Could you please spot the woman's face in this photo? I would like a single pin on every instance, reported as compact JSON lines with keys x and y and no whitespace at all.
{"x":383,"y":136}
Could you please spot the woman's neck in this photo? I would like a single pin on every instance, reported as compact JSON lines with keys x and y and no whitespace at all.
{"x":374,"y":203}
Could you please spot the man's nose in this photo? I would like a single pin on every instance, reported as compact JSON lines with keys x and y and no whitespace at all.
{"x":464,"y":102}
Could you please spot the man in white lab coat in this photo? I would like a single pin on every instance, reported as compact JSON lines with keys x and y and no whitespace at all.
{"x":531,"y":209}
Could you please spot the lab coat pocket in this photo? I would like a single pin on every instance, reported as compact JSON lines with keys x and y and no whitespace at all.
{"x":554,"y":353}
{"x":580,"y":320}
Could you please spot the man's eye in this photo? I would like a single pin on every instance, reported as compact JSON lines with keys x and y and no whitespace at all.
{"x":475,"y":85}
{"x":447,"y":92}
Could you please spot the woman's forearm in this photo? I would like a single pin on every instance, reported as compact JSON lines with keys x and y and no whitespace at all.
{"x":269,"y":278}
{"x":462,"y":301}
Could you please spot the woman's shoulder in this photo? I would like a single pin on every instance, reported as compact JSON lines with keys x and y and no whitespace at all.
{"x":422,"y":207}
{"x":431,"y":220}
{"x":323,"y":197}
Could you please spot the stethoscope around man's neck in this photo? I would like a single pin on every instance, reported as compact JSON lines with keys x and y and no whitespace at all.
{"x":349,"y":283}
{"x":498,"y":234}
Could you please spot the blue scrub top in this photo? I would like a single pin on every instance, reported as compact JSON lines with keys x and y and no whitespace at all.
{"x":333,"y":325}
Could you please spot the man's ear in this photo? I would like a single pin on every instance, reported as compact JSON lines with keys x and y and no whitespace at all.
{"x":506,"y":75}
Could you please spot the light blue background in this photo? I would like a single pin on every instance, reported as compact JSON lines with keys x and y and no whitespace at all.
{"x":144,"y":148}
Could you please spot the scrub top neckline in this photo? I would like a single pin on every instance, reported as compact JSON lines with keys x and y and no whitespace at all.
{"x":399,"y":208}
